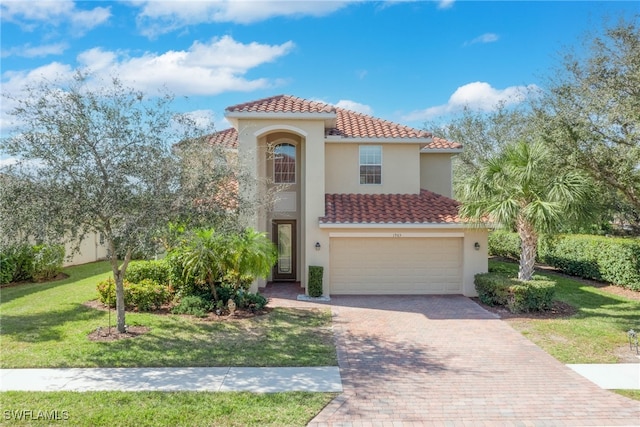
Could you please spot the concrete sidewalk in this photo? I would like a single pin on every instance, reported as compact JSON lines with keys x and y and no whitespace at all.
{"x":622,"y":376}
{"x":259,"y":380}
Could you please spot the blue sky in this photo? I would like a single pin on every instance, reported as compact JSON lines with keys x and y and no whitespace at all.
{"x":405,"y":61}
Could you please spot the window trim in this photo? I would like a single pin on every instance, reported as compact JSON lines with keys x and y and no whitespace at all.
{"x":360,"y":164}
{"x":295,"y":162}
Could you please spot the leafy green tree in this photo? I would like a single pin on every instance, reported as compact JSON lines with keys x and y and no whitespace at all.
{"x":519,"y":189}
{"x":590,"y":113}
{"x":96,"y":156}
{"x":483,"y":135}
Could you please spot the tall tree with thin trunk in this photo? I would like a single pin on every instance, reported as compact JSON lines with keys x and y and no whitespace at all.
{"x":519,"y":189}
{"x":97,"y":157}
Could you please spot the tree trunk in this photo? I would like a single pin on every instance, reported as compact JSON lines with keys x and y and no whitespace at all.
{"x":118,"y":277}
{"x":528,"y":249}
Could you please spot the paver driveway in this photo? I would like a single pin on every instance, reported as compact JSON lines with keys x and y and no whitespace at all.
{"x":443,"y":360}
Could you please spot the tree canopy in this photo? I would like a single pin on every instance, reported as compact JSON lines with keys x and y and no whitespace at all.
{"x":99,"y":157}
{"x":590,"y":113}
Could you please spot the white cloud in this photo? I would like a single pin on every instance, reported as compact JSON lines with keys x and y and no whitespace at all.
{"x":28,"y":51}
{"x":8,"y":161}
{"x":354,"y":106}
{"x":445,"y":4}
{"x":478,"y":96}
{"x":32,"y":14}
{"x":205,"y":68}
{"x":484,"y":38}
{"x":160,"y":17}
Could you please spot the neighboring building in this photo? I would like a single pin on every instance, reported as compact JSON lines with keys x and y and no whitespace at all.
{"x":92,"y":248}
{"x":367,"y":199}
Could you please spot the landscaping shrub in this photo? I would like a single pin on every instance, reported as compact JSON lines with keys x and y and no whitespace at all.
{"x":193,"y":305}
{"x":107,"y":292}
{"x":250,"y":300}
{"x":612,"y":259}
{"x":183,"y":285}
{"x":516,"y":295}
{"x":47,"y":261}
{"x":145,"y":296}
{"x":504,"y":244}
{"x":7,"y":266}
{"x":315,"y":280}
{"x":157,"y":270}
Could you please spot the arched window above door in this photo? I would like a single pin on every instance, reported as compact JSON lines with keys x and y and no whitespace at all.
{"x":284,"y":164}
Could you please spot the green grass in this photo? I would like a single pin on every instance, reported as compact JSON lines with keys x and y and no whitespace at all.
{"x":163,"y":408}
{"x":46,"y":325}
{"x":597,"y":333}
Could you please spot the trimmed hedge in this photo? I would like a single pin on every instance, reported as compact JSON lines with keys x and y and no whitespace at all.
{"x":147,"y":295}
{"x":611,"y":259}
{"x":157,"y":270}
{"x":516,"y":295}
{"x":315,"y":280}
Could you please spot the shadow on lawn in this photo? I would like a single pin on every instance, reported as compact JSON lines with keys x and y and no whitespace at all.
{"x":75,"y":274}
{"x":45,"y":326}
{"x":276,"y":339}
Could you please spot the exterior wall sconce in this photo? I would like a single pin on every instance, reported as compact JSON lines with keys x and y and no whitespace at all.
{"x":318,"y":246}
{"x":476,"y":246}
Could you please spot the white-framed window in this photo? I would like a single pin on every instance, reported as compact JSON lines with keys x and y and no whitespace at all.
{"x":370,"y":164}
{"x":284,"y":164}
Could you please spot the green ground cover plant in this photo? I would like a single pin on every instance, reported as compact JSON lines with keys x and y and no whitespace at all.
{"x":166,"y":408}
{"x":47,"y":325}
{"x":596,"y":333}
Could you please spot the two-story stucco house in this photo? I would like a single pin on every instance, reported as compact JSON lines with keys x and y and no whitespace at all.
{"x":367,"y":199}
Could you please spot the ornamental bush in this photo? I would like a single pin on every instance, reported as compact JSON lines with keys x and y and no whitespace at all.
{"x":518,"y":296}
{"x":194,"y":305}
{"x":156,"y":270}
{"x":47,"y":261}
{"x":147,"y":295}
{"x":504,"y":244}
{"x":315,"y":280}
{"x":26,"y":262}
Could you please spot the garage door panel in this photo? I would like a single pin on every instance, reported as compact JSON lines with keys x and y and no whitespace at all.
{"x":396,"y":266}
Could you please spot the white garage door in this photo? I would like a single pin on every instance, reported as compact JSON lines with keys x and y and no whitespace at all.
{"x":396,"y":266}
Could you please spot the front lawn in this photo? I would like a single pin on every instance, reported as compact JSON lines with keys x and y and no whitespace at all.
{"x":162,"y":408}
{"x":596,"y":333}
{"x":47,"y":324}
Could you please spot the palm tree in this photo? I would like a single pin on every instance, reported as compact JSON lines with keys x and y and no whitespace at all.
{"x":247,"y":256}
{"x":202,"y":259}
{"x":519,"y":189}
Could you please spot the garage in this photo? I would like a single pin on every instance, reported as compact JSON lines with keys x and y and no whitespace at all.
{"x":396,"y":265}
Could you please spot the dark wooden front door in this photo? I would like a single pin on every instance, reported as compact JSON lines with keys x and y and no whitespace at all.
{"x":284,"y":237}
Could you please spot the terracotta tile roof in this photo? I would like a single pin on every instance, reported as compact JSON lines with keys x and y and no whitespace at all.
{"x":350,"y":124}
{"x":227,"y":138}
{"x":282,"y":104}
{"x":426,"y":207}
{"x":442,"y":144}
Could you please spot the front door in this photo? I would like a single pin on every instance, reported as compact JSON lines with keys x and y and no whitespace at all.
{"x":284,"y":237}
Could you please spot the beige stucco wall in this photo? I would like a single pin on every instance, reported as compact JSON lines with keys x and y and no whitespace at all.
{"x":253,"y":137}
{"x":400,"y":169}
{"x":90,"y":250}
{"x":436,"y":173}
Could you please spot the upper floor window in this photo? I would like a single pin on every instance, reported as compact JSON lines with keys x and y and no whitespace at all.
{"x":370,"y":164}
{"x":284,"y":164}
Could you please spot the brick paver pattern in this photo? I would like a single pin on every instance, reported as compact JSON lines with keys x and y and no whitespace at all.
{"x":445,"y":361}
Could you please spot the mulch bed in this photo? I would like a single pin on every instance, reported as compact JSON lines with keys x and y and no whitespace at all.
{"x":60,"y":276}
